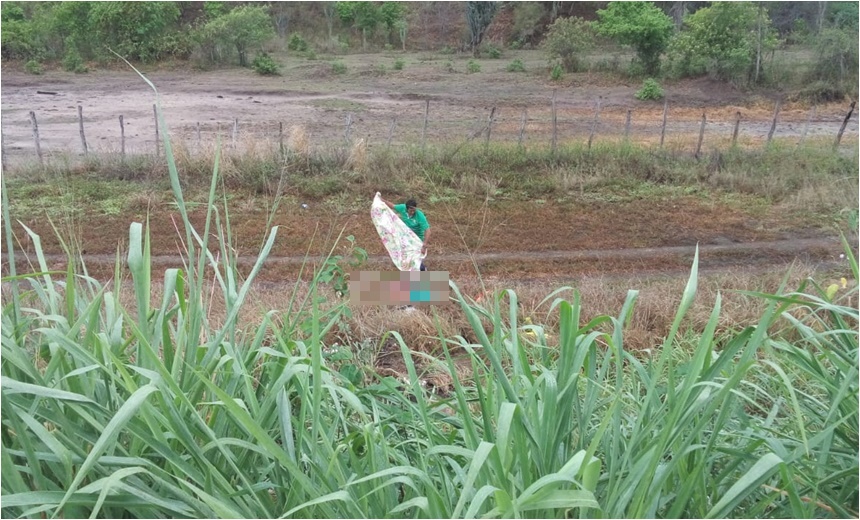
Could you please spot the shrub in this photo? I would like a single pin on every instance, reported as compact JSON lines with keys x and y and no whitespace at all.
{"x":821,"y":92}
{"x":557,"y":72}
{"x":449,"y":66}
{"x":640,"y":24}
{"x":516,"y":66}
{"x":33,"y":67}
{"x":398,"y":64}
{"x":473,"y":66}
{"x":311,"y":54}
{"x":338,"y":67}
{"x":297,"y":43}
{"x":73,"y":62}
{"x":650,"y":90}
{"x":494,"y":52}
{"x":264,"y":64}
{"x":566,"y":40}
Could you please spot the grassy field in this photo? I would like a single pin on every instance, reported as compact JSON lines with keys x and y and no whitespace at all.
{"x":119,"y":403}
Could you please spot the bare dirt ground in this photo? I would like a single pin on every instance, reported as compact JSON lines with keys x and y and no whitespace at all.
{"x":308,"y":93}
{"x":552,"y":238}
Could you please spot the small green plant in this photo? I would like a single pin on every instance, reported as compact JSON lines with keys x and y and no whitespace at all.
{"x":446,"y":50}
{"x":516,"y":45}
{"x":72,"y":61}
{"x":264,"y":64}
{"x":338,"y":67}
{"x":388,"y":47}
{"x":381,"y":70}
{"x":651,"y":90}
{"x":33,"y":67}
{"x":494,"y":52}
{"x":516,"y":66}
{"x":311,"y":54}
{"x":398,"y":64}
{"x":557,"y":72}
{"x":297,"y":43}
{"x":473,"y":67}
{"x":449,"y":66}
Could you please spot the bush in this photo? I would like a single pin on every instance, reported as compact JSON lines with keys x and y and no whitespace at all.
{"x":516,"y":66}
{"x":473,"y":66}
{"x":820,"y":92}
{"x":264,"y":64}
{"x":449,"y":66}
{"x":493,"y":52}
{"x":33,"y":67}
{"x":297,"y":43}
{"x":556,"y":73}
{"x":338,"y":67}
{"x":398,"y":64}
{"x":72,"y":60}
{"x":566,"y":40}
{"x":651,"y":90}
{"x":311,"y":54}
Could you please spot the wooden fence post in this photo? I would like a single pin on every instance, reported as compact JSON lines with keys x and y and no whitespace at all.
{"x":426,"y":119}
{"x":489,"y":128}
{"x":737,"y":128}
{"x":663,"y":128}
{"x":844,"y":124}
{"x":522,"y":129}
{"x":627,"y":125}
{"x":198,"y":136}
{"x":701,"y":136}
{"x":808,"y":122}
{"x":155,"y":117}
{"x":594,"y":124}
{"x":122,"y":136}
{"x":281,"y":137}
{"x":348,"y":129}
{"x":36,"y":136}
{"x":2,"y":151}
{"x":235,"y":131}
{"x":773,"y":124}
{"x":554,"y":125}
{"x":81,"y":129}
{"x":391,"y":131}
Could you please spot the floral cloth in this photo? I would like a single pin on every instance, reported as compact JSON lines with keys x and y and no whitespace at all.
{"x":403,"y":245}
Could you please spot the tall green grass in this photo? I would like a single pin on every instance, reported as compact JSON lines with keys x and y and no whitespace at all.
{"x":149,"y":411}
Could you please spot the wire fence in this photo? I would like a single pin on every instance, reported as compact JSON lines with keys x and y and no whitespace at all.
{"x":73,"y":136}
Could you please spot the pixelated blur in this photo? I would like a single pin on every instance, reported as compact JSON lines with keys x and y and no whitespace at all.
{"x":419,"y":288}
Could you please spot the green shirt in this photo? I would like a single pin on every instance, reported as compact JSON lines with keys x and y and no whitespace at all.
{"x":418,"y":224}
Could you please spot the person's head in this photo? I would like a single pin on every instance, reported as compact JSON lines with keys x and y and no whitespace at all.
{"x":411,"y":204}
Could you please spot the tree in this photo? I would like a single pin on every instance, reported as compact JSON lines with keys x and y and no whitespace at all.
{"x":566,"y":40}
{"x":479,"y":15}
{"x":364,"y":16}
{"x":390,"y":15}
{"x":723,"y":41}
{"x":527,"y":16}
{"x":639,"y":24}
{"x":244,"y":27}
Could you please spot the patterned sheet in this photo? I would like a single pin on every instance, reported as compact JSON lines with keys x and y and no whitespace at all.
{"x":403,"y":246}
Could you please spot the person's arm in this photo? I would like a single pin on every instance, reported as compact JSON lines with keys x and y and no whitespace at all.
{"x":426,"y":236}
{"x":390,"y":205}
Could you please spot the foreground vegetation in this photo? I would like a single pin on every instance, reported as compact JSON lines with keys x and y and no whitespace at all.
{"x":153,"y":410}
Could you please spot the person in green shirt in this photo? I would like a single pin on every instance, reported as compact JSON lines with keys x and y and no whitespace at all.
{"x":415,"y":220}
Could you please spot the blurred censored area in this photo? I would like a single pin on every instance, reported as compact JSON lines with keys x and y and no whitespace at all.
{"x":418,"y":288}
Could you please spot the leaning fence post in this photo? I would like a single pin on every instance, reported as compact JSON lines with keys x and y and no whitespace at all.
{"x":235,"y":131}
{"x":663,"y":128}
{"x":737,"y":128}
{"x":773,"y":124}
{"x":348,"y":128}
{"x":36,"y":136}
{"x":81,"y":128}
{"x":627,"y":125}
{"x":522,"y":128}
{"x":391,"y":131}
{"x":489,"y":128}
{"x":198,"y":136}
{"x":808,"y":122}
{"x":594,"y":124}
{"x":554,"y":125}
{"x":122,"y":136}
{"x":844,"y":124}
{"x":701,"y":136}
{"x":426,"y":118}
{"x":155,"y":117}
